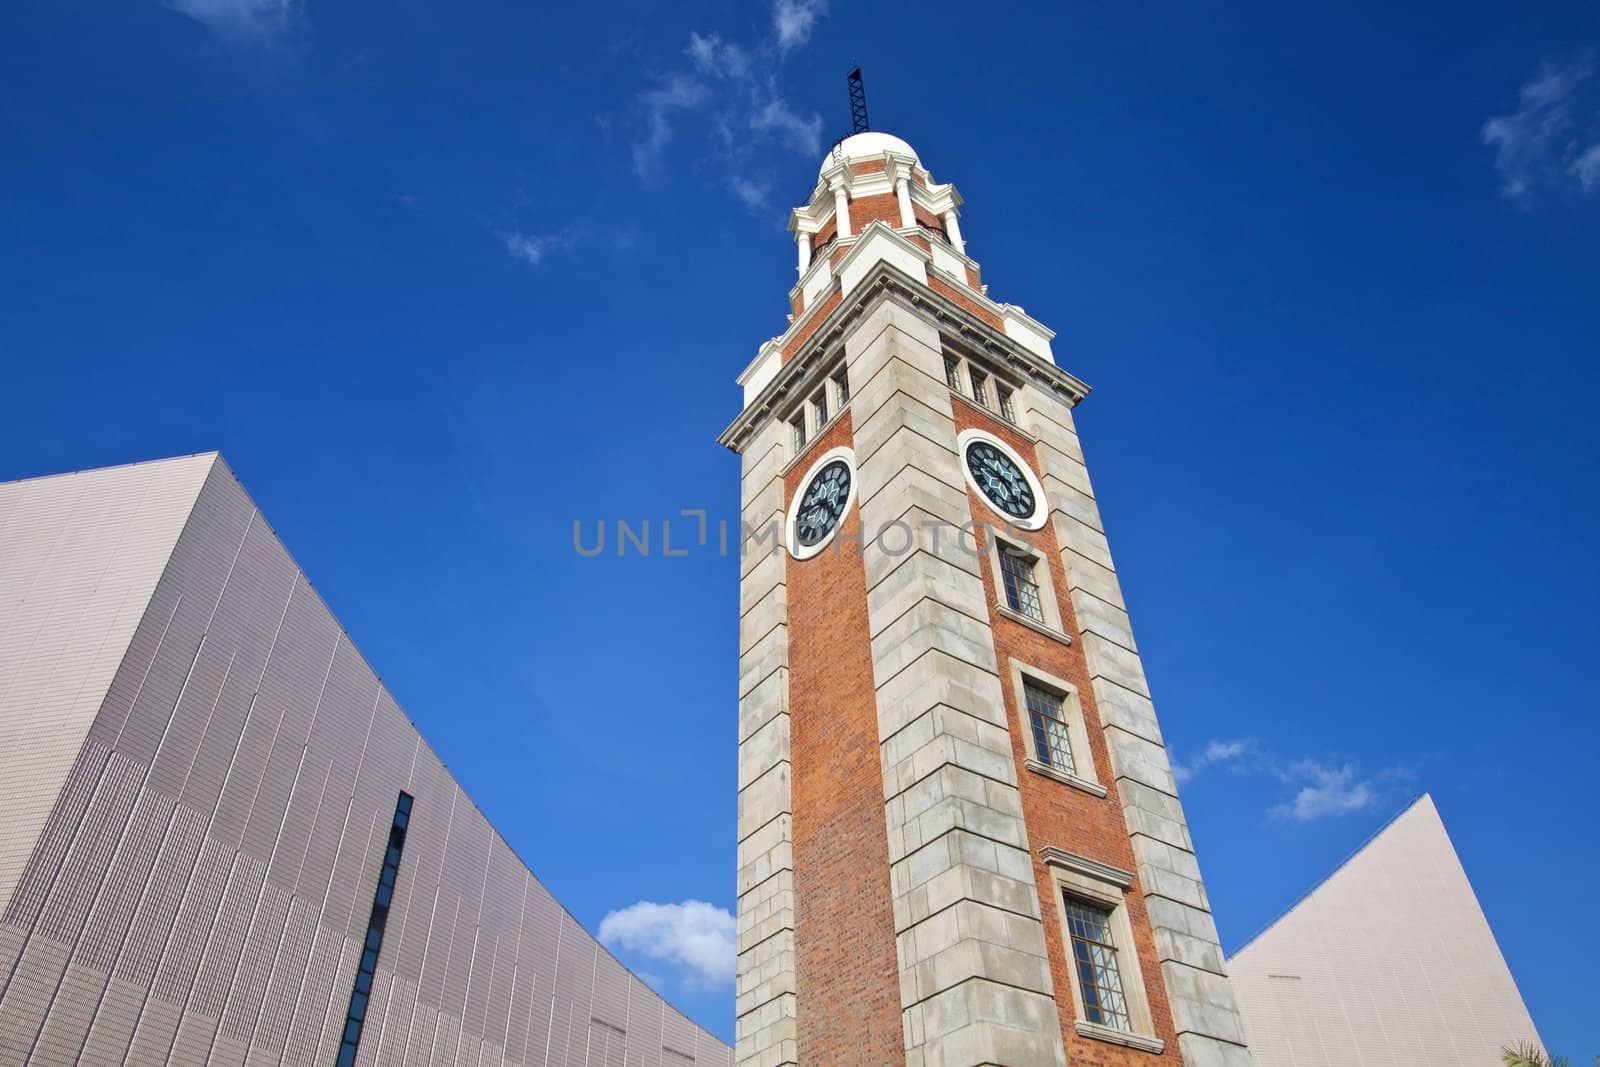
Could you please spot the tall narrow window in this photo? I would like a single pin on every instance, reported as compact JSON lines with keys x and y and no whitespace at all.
{"x":356,"y":1016}
{"x":841,"y":384}
{"x":1047,"y":717}
{"x":820,"y":405}
{"x":1094,"y":957}
{"x":980,"y":386}
{"x":1022,"y":588}
{"x":798,"y":425}
{"x":952,"y":372}
{"x":1008,"y":410}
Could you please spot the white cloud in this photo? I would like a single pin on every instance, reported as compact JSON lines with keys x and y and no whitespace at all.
{"x":677,"y":92}
{"x":717,"y":58}
{"x":1586,"y":168}
{"x":1327,"y":791}
{"x":1551,"y":136}
{"x":1215,"y":752}
{"x":754,"y":194}
{"x":1320,"y":788}
{"x":694,"y":936}
{"x":728,"y":94}
{"x":803,"y":133}
{"x":531,"y":248}
{"x":240,"y":21}
{"x":793,"y":21}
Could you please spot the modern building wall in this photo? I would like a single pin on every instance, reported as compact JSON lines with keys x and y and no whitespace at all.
{"x":1389,"y":962}
{"x":205,"y":772}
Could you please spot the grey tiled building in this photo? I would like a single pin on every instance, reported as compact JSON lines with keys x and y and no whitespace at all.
{"x":223,"y":842}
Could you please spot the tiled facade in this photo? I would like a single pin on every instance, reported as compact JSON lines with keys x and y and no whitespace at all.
{"x":203,"y":773}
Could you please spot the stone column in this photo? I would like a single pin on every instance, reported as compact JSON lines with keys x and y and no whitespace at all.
{"x":975,"y":983}
{"x":952,"y":227}
{"x":841,"y":207}
{"x":765,"y":985}
{"x":1210,"y":1030}
{"x":802,"y":242}
{"x":902,"y":192}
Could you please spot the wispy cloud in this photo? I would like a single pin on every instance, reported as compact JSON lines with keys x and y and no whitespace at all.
{"x":531,"y":248}
{"x":1215,"y":752}
{"x":793,"y":21}
{"x":1318,"y":788}
{"x":803,"y":133}
{"x":1586,"y":168}
{"x":1326,"y":791}
{"x":717,"y":58}
{"x":660,"y":103}
{"x":728,"y":93}
{"x":695,"y":937}
{"x":753,"y":194}
{"x":241,"y":21}
{"x":1552,"y":139}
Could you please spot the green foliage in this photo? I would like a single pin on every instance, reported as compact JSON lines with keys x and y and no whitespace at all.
{"x":1527,"y":1054}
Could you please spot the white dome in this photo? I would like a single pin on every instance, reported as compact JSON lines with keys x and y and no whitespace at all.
{"x":869,"y":145}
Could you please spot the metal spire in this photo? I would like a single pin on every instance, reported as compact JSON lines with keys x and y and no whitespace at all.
{"x":858,"y":103}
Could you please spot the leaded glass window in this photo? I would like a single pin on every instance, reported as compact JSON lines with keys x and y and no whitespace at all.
{"x":1094,"y":956}
{"x":798,"y":426}
{"x":1022,"y":588}
{"x":1007,"y":408}
{"x":980,"y":386}
{"x":952,"y":372}
{"x":1048,"y":718}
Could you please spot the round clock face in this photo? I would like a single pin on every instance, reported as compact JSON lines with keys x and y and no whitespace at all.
{"x":1003,"y":479}
{"x":822,"y":504}
{"x":1000,"y":480}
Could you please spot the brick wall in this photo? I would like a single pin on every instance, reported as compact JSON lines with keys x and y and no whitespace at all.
{"x":847,"y":980}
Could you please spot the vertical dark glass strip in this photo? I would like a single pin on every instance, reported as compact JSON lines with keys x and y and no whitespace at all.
{"x":356,"y":1017}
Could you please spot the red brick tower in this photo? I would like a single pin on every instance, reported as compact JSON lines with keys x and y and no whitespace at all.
{"x":960,"y":842}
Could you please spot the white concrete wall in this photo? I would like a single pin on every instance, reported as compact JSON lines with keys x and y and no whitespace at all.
{"x":1388,"y":963}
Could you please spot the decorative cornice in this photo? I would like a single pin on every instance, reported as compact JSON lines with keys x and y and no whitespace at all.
{"x":1100,"y":872}
{"x":882,"y":282}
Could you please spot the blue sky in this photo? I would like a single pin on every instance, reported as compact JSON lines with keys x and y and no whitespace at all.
{"x":441,"y":279}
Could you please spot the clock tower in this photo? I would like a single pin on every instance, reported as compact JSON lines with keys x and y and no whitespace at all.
{"x":960,"y":841}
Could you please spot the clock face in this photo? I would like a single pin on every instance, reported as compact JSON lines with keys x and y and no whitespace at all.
{"x":822,"y":504}
{"x":1000,"y":480}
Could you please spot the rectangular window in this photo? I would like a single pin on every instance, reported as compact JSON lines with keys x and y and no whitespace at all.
{"x":798,"y":425}
{"x":1022,"y":588}
{"x":841,"y":384}
{"x":952,"y":372}
{"x":355,"y":1016}
{"x":819,"y":406}
{"x":980,"y":386}
{"x":1047,"y":716}
{"x":1094,"y":958}
{"x":1008,"y":410}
